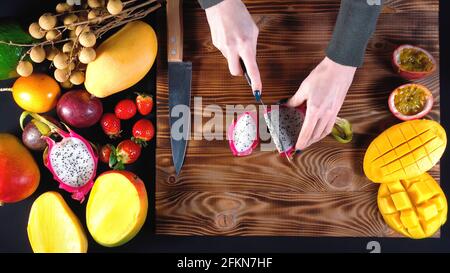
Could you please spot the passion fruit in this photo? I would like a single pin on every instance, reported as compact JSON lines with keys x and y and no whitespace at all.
{"x":412,"y":62}
{"x":411,"y":101}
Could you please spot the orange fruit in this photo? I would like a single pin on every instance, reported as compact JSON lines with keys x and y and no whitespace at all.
{"x":37,"y":93}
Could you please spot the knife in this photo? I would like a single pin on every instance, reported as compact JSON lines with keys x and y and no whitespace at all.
{"x":180,"y":76}
{"x":257,"y":95}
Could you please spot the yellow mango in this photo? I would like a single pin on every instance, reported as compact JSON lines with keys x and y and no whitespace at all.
{"x":404,"y":151}
{"x":53,"y":227}
{"x":122,"y":60}
{"x":414,"y":207}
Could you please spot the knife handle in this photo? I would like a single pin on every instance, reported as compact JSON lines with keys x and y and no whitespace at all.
{"x":174,"y":10}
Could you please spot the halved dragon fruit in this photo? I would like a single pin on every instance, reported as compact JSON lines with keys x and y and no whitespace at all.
{"x":284,"y":124}
{"x":72,"y":161}
{"x":243,"y":134}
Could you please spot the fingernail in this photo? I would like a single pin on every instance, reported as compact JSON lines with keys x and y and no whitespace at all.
{"x":298,"y":151}
{"x":282,"y":101}
{"x":257,"y":95}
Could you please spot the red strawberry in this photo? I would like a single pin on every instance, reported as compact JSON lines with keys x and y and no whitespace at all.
{"x":105,"y":153}
{"x":110,"y":125}
{"x":144,"y":103}
{"x":127,"y":152}
{"x":125,"y":109}
{"x":143,"y":131}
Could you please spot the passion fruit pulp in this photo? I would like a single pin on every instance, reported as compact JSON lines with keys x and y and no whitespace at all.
{"x":410,"y":101}
{"x":412,"y":62}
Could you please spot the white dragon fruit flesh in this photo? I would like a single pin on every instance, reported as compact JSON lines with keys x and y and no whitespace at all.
{"x":284,"y":125}
{"x":73,"y":163}
{"x":243,"y":134}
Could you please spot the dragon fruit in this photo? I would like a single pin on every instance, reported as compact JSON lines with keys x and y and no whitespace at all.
{"x":243,"y":134}
{"x":72,"y":161}
{"x":284,"y":124}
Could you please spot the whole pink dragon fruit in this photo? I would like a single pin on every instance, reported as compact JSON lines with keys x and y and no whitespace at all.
{"x":243,"y":134}
{"x":284,"y":124}
{"x":72,"y":161}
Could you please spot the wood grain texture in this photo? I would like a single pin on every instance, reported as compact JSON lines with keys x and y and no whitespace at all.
{"x":326,"y":194}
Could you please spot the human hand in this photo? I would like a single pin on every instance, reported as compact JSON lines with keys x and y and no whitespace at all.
{"x":324,"y":91}
{"x":235,"y":34}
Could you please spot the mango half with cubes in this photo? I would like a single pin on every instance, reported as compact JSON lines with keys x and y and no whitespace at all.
{"x":414,"y":207}
{"x":404,"y":151}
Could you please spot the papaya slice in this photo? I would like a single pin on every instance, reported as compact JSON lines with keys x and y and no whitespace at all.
{"x":404,"y":151}
{"x":54,"y":228}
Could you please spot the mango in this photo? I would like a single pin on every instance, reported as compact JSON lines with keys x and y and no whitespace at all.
{"x":117,"y":208}
{"x":54,"y":228}
{"x":414,"y":207}
{"x":404,"y":151}
{"x":122,"y":60}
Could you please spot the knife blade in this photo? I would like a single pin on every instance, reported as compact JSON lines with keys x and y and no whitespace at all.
{"x":257,"y":95}
{"x":180,"y":78}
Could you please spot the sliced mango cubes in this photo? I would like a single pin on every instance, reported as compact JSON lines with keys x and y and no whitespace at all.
{"x":54,"y":228}
{"x":415,"y":207}
{"x":404,"y":151}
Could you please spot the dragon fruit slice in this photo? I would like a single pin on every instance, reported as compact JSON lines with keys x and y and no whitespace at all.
{"x":243,"y":134}
{"x":284,"y":125}
{"x":72,"y":161}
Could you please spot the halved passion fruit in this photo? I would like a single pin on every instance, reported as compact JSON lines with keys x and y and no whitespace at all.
{"x":412,"y":62}
{"x":411,"y":101}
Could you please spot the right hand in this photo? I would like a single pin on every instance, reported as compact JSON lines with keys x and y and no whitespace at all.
{"x":235,"y":34}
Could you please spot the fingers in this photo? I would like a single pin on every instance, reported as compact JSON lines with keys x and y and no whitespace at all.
{"x":298,"y":99}
{"x":319,"y":129}
{"x":328,"y":128}
{"x":233,"y":63}
{"x":249,"y":58}
{"x":307,"y":130}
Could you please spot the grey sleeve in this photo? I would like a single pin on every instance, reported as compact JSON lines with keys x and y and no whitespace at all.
{"x":355,"y":24}
{"x":208,"y":3}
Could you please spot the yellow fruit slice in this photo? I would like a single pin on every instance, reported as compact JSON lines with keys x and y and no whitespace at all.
{"x":404,"y":151}
{"x":117,"y":208}
{"x":53,"y":227}
{"x":415,"y":207}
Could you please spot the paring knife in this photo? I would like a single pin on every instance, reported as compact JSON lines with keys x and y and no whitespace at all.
{"x":257,"y":95}
{"x":180,"y":76}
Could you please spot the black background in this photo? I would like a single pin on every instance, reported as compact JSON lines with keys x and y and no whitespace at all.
{"x":13,"y":217}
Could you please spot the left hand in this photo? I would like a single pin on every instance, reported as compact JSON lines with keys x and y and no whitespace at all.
{"x":324,"y":91}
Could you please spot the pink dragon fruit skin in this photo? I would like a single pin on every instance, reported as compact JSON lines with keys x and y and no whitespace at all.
{"x":243,"y":134}
{"x":293,"y":121}
{"x":77,"y":188}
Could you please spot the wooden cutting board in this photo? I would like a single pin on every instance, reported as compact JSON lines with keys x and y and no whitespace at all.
{"x":262,"y":194}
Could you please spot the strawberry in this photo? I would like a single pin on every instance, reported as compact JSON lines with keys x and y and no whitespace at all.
{"x":125,"y":109}
{"x":105,"y":153}
{"x":144,"y":103}
{"x":127,"y":152}
{"x":143,"y":131}
{"x":110,"y":125}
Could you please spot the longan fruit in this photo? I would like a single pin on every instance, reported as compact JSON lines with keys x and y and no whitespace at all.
{"x":36,"y":31}
{"x":63,"y":7}
{"x":77,"y":78}
{"x":47,"y":21}
{"x":114,"y":7}
{"x":61,"y":75}
{"x":94,"y":4}
{"x":81,"y":29}
{"x":61,"y":61}
{"x":24,"y":68}
{"x":67,"y":47}
{"x":37,"y":54}
{"x":51,"y":52}
{"x":66,"y":85}
{"x":87,"y":55}
{"x":53,"y":35}
{"x":69,"y":20}
{"x":87,"y":39}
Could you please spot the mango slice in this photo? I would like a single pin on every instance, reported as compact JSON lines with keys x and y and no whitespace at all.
{"x":117,"y":208}
{"x":53,"y":227}
{"x":415,"y":207}
{"x":404,"y":151}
